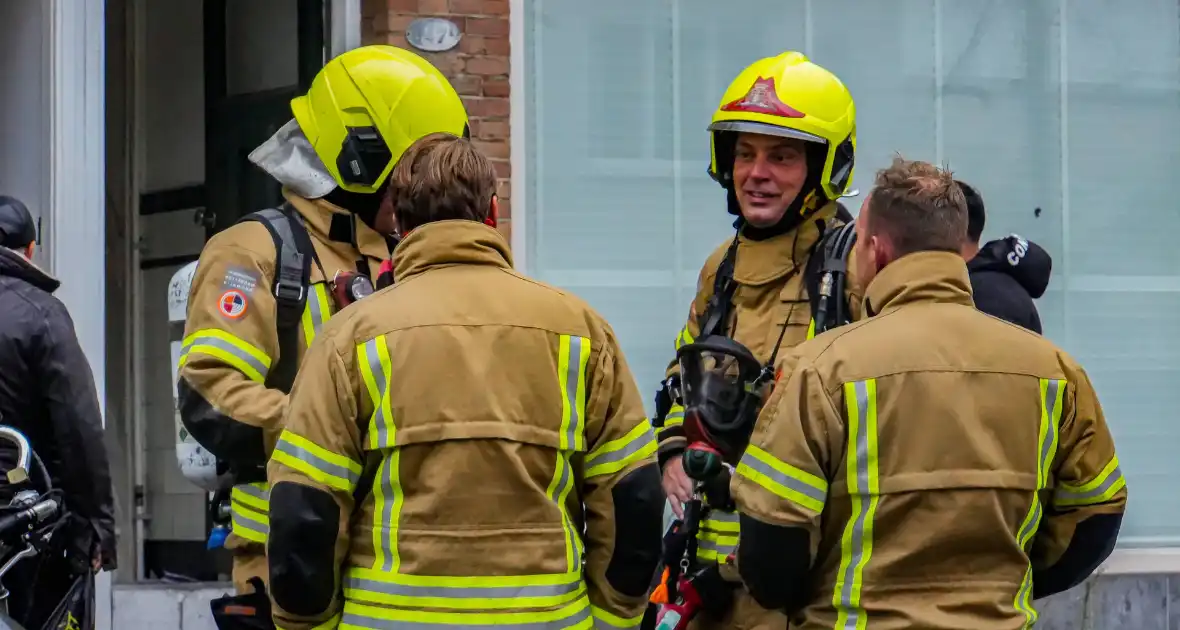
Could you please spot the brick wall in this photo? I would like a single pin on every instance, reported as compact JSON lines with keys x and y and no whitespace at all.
{"x":478,"y":68}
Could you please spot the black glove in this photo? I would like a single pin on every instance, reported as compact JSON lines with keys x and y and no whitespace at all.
{"x":717,"y":495}
{"x":244,"y":612}
{"x":715,"y":591}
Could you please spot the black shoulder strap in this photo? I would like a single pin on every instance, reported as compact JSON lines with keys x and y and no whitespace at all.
{"x":294,"y":252}
{"x":724,"y":286}
{"x":827,"y":273}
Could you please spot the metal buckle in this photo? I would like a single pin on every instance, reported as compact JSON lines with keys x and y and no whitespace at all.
{"x":282,"y":287}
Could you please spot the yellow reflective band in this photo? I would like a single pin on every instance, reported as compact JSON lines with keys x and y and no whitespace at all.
{"x":573,"y":354}
{"x":604,"y":619}
{"x":558,"y":492}
{"x":1098,"y":490}
{"x":793,"y":484}
{"x":618,"y":454}
{"x":255,"y":495}
{"x":231,"y":350}
{"x":317,"y":311}
{"x":717,"y":547}
{"x":811,"y":329}
{"x":322,"y":465}
{"x":719,"y":521}
{"x":376,"y":371}
{"x":1051,"y":393}
{"x":717,"y":537}
{"x":684,"y":338}
{"x":481,"y":593}
{"x":572,"y":616}
{"x":387,"y":508}
{"x":675,"y":416}
{"x":248,"y":507}
{"x":856,"y":545}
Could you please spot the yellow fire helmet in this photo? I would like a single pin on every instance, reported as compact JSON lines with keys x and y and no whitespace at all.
{"x":368,"y":105}
{"x":792,"y":97}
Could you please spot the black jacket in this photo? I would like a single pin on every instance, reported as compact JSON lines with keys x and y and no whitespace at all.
{"x":1006,"y":276}
{"x":47,"y":391}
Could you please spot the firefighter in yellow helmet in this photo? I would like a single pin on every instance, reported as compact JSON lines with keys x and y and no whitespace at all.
{"x":264,"y":286}
{"x":783,"y":143}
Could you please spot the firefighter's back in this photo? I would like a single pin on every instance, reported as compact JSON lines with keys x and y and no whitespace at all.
{"x":953,"y":425}
{"x":498,"y":407}
{"x":492,"y":373}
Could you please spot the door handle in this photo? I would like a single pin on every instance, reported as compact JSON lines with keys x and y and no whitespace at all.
{"x":205,"y":217}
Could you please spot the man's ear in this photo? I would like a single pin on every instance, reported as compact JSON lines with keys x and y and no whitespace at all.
{"x":30,"y":249}
{"x":493,"y":212}
{"x":882,"y":250}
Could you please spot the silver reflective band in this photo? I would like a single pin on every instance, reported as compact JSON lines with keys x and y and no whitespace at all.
{"x":317,"y":462}
{"x":1063,"y":495}
{"x":863,"y":503}
{"x":379,"y":381}
{"x":221,"y":344}
{"x":572,"y":371}
{"x":461,"y":592}
{"x":792,"y":483}
{"x":388,"y":502}
{"x":315,"y":304}
{"x":630,"y":449}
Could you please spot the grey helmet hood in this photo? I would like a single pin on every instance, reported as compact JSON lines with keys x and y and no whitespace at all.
{"x":289,"y":157}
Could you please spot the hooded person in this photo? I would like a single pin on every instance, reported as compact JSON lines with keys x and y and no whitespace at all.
{"x":243,"y":340}
{"x":1006,"y":274}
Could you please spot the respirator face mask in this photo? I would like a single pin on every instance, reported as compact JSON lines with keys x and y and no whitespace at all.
{"x":721,"y":384}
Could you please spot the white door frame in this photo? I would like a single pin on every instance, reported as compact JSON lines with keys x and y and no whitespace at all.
{"x":76,"y":218}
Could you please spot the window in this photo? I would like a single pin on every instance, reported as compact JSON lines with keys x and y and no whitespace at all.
{"x":1063,"y":114}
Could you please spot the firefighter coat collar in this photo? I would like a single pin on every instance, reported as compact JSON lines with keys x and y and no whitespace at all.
{"x":446,"y":243}
{"x":919,"y":277}
{"x":318,"y":214}
{"x":764,"y":261}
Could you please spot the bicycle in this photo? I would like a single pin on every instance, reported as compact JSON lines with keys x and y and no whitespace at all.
{"x":28,"y":522}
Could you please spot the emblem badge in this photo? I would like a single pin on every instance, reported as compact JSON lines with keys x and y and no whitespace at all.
{"x":763,"y":99}
{"x":232,"y":304}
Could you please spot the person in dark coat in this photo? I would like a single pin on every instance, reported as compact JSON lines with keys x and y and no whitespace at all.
{"x":47,"y":392}
{"x":1007,"y":274}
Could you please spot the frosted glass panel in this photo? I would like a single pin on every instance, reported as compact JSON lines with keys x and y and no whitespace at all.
{"x":1066,"y":118}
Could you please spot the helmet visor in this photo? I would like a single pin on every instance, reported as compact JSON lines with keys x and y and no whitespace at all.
{"x":743,"y":126}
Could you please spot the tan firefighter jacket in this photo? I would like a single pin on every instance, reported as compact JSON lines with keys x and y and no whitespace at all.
{"x":230,"y":342}
{"x":467,"y":446}
{"x":937,"y":457}
{"x":771,"y":291}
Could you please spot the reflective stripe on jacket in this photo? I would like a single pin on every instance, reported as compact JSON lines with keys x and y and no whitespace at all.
{"x":935,"y":457}
{"x":467,"y":447}
{"x":230,"y":344}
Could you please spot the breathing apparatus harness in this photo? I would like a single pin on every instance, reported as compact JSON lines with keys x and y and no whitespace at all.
{"x":720,"y":386}
{"x":294,"y":256}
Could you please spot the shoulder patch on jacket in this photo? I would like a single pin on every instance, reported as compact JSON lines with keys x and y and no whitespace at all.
{"x":232,"y":304}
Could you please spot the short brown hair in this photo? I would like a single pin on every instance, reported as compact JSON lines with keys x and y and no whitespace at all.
{"x":441,"y":177}
{"x":918,"y":206}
